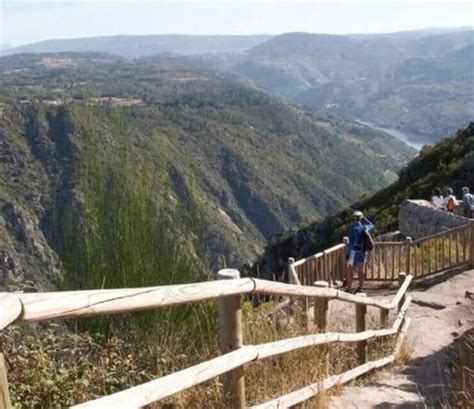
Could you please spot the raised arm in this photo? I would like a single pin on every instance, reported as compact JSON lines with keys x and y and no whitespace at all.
{"x":368,"y":225}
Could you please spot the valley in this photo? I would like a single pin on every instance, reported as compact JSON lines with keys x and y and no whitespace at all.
{"x":179,"y":204}
{"x":245,"y":162}
{"x":418,"y":82}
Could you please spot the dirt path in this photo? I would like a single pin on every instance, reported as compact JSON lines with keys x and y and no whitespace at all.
{"x":440,"y":313}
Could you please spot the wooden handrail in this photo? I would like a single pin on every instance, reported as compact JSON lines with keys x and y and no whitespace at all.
{"x":389,"y":243}
{"x":401,"y":291}
{"x":441,"y":234}
{"x":318,"y":255}
{"x":155,"y":390}
{"x":11,"y":309}
{"x":301,"y":261}
{"x":290,"y":344}
{"x":307,"y":392}
{"x":76,"y":304}
{"x":150,"y":392}
{"x":38,"y":307}
{"x":55,"y":305}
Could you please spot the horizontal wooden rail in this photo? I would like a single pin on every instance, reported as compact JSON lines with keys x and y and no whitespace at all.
{"x":441,"y":234}
{"x":35,"y":307}
{"x":10,"y":309}
{"x":38,"y":307}
{"x":389,"y":243}
{"x":291,"y":344}
{"x":301,"y":261}
{"x":401,"y":291}
{"x":312,"y":390}
{"x":303,"y":394}
{"x":76,"y":304}
{"x":161,"y":388}
{"x":318,"y":255}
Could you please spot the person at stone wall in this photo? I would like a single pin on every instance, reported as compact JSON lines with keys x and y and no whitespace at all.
{"x":467,"y":203}
{"x":437,"y":200}
{"x":450,"y":200}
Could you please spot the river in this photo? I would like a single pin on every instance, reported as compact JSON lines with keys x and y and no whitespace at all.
{"x":395,"y":133}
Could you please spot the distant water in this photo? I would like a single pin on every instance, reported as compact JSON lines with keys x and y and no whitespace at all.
{"x":395,"y":133}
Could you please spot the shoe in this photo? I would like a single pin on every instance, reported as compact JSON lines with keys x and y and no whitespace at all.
{"x":358,"y":290}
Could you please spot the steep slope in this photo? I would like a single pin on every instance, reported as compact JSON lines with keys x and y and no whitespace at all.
{"x":449,"y":163}
{"x":249,"y":163}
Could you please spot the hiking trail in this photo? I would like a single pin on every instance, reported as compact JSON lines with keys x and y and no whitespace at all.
{"x":442,"y":309}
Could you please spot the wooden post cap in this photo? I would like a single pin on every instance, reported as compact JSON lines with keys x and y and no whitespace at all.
{"x":11,"y":308}
{"x":228,"y":273}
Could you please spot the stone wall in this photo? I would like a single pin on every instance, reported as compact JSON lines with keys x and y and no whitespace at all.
{"x":418,"y":218}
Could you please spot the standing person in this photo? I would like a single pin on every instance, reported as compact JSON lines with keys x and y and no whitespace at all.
{"x":450,"y":201}
{"x":437,"y":199}
{"x":467,"y":203}
{"x":358,"y":251}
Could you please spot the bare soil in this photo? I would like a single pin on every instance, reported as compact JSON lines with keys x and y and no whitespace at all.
{"x":442,"y":310}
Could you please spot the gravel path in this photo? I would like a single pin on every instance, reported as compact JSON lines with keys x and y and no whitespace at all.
{"x":440,"y":312}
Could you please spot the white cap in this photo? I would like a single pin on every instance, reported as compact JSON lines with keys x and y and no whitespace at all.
{"x":358,"y":214}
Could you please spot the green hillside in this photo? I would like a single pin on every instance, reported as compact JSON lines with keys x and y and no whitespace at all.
{"x":449,"y":163}
{"x":418,"y":82}
{"x":244,"y":162}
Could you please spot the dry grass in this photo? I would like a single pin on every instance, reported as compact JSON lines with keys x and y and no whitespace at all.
{"x":43,"y":372}
{"x":461,"y":393}
{"x":405,"y":353}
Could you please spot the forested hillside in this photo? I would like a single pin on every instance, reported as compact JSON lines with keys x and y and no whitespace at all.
{"x":419,"y":83}
{"x":228,"y":164}
{"x":449,"y":163}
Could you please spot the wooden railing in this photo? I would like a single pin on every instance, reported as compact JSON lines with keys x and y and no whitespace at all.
{"x":25,"y":308}
{"x":330,"y":265}
{"x":422,"y":257}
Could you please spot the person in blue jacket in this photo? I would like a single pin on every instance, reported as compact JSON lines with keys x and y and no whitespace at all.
{"x":357,"y":255}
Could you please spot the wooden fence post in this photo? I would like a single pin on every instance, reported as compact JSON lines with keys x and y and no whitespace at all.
{"x":230,"y":339}
{"x":408,"y":242}
{"x":383,"y":317}
{"x":302,"y":304}
{"x":345,"y":240}
{"x":361,"y":314}
{"x":471,"y":239}
{"x":4,"y":394}
{"x":401,"y":280}
{"x":321,"y":306}
{"x":292,"y":275}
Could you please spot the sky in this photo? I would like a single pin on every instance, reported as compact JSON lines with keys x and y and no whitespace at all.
{"x":25,"y":22}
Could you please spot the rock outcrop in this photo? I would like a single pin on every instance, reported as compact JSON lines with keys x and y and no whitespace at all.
{"x":418,"y":218}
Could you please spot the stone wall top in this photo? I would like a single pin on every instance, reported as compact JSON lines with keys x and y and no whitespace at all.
{"x":418,"y":218}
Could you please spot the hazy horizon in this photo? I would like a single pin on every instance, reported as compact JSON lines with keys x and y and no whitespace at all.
{"x":25,"y":22}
